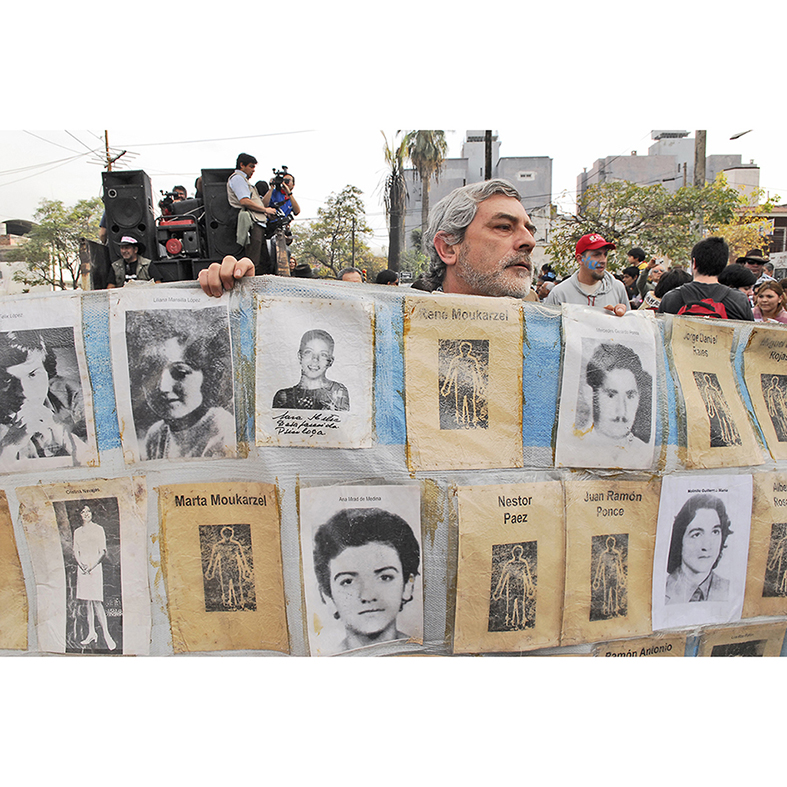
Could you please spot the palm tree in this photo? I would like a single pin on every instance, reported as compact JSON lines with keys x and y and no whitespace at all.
{"x":426,"y":150}
{"x":395,"y":197}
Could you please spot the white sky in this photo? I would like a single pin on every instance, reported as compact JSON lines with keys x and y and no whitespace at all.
{"x":323,"y":161}
{"x":564,"y":85}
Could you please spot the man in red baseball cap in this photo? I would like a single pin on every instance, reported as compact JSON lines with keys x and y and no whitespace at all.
{"x":591,"y":285}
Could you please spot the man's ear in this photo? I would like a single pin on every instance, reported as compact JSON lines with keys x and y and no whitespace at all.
{"x":448,"y":251}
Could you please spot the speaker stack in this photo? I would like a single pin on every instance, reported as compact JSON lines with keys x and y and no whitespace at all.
{"x":221,"y":219}
{"x":128,"y":199}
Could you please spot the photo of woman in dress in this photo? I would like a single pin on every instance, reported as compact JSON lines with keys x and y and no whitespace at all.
{"x":366,"y":561}
{"x":314,"y":391}
{"x":699,"y":535}
{"x":181,"y":363}
{"x":90,"y":549}
{"x":41,"y":412}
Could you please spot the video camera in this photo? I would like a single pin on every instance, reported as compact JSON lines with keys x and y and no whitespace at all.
{"x":278,"y":177}
{"x":166,"y":203}
{"x":281,"y":219}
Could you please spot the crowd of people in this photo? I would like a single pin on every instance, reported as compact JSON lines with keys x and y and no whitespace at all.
{"x":706,"y":285}
{"x":746,"y":287}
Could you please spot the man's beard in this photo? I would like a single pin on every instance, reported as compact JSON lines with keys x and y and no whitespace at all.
{"x":492,"y":283}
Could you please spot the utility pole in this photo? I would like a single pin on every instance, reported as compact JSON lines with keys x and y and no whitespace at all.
{"x":353,"y":241}
{"x":488,"y":155}
{"x":111,"y":159}
{"x":699,"y":158}
{"x":699,"y":174}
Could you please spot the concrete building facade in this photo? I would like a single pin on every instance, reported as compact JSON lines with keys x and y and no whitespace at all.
{"x":532,"y":176}
{"x":670,"y":162}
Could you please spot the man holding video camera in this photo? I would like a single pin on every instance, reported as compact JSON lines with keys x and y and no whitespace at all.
{"x":280,"y":195}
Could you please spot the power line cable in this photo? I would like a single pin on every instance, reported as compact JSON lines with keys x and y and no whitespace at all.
{"x":56,"y":144}
{"x":92,"y":150}
{"x":221,"y":139}
{"x":44,"y":164}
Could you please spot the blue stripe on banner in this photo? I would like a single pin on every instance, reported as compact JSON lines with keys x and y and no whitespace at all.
{"x":95,"y":329}
{"x":242,"y":327}
{"x":390,"y":421}
{"x":672,"y":436}
{"x":540,"y":376}
{"x":743,"y":339}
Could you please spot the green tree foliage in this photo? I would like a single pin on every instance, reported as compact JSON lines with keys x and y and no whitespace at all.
{"x":664,"y":224}
{"x":395,"y":198}
{"x":426,"y":150}
{"x":750,"y":226}
{"x":52,"y":251}
{"x":328,"y":240}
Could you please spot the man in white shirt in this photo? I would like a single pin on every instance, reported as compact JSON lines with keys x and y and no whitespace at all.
{"x":243,"y":195}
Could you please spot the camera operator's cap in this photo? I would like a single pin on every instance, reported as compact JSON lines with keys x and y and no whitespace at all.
{"x":127,"y":240}
{"x":593,"y":241}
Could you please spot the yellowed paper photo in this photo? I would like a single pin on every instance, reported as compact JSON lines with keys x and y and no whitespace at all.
{"x":315,"y":365}
{"x":221,"y":548}
{"x":88,"y":547}
{"x":658,"y":645}
{"x":766,"y":574}
{"x":13,"y":596}
{"x":765,"y":373}
{"x":764,"y":639}
{"x":610,"y":537}
{"x":511,"y":567}
{"x":718,"y":430}
{"x":463,"y":374}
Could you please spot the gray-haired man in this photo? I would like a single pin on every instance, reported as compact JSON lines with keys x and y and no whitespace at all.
{"x":479,"y":240}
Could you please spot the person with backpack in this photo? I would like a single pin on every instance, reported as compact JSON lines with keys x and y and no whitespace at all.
{"x":704,"y":296}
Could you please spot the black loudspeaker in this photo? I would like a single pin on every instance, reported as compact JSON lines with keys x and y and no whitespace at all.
{"x":128,"y":199}
{"x":221,"y":219}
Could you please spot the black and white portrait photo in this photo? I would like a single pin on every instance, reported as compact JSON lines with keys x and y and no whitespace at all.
{"x":702,"y":546}
{"x":607,"y":406}
{"x":314,"y":390}
{"x":314,"y":373}
{"x":365,"y":567}
{"x":43,"y":419}
{"x":722,"y":430}
{"x":90,"y":541}
{"x":227,"y":568}
{"x":180,"y":381}
{"x":463,"y":381}
{"x":512,"y":598}
{"x":774,"y":391}
{"x":609,"y":576}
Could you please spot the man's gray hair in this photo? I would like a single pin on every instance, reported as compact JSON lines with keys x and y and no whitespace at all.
{"x":350,"y":270}
{"x":453,"y":214}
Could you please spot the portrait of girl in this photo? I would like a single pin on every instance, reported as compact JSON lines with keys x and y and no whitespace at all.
{"x":42,"y":413}
{"x":180,"y":374}
{"x":366,"y":562}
